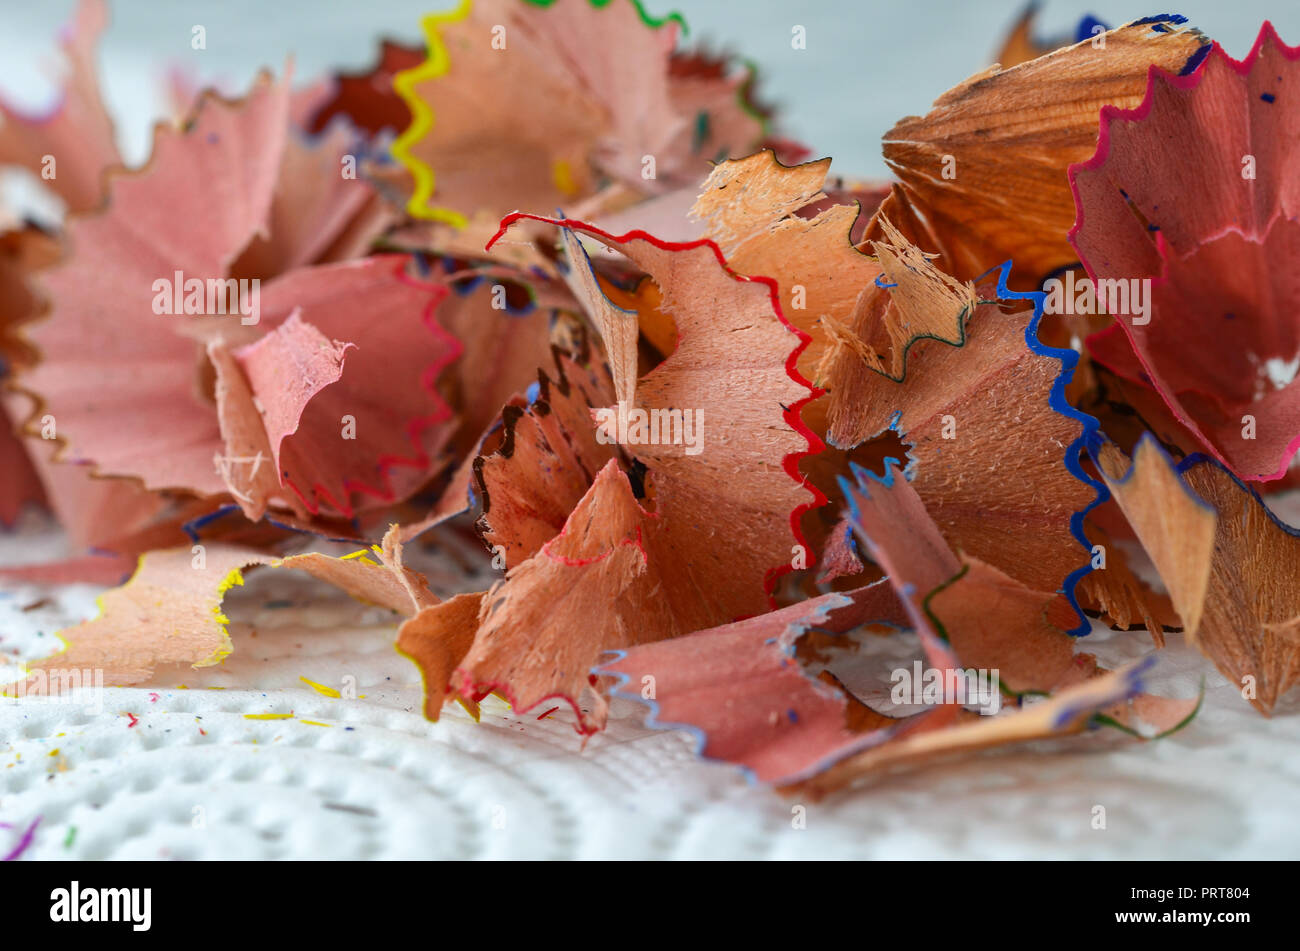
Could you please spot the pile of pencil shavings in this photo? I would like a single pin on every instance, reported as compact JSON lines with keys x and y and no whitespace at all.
{"x":718,"y":424}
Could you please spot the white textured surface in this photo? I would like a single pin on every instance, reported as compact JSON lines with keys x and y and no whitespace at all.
{"x":380,"y":782}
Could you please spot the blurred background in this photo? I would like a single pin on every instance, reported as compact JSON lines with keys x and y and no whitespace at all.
{"x":867,"y":62}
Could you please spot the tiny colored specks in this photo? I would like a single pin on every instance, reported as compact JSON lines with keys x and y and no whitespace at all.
{"x":268,"y":716}
{"x":562,"y":176}
{"x":701,"y":131}
{"x":24,"y":843}
{"x":321,"y":688}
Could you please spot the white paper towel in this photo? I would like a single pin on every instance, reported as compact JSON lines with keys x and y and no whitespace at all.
{"x":196,"y":779}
